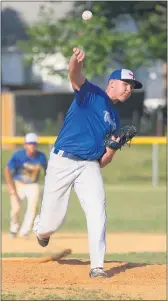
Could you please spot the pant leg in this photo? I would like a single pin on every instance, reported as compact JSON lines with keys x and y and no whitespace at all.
{"x":32,"y":193}
{"x":90,"y":190}
{"x":14,"y":213}
{"x":59,"y":179}
{"x":15,"y":202}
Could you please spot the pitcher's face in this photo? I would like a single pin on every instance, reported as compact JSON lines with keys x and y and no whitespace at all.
{"x":121,"y":89}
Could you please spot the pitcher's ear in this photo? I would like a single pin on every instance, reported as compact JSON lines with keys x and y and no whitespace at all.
{"x":111,"y":83}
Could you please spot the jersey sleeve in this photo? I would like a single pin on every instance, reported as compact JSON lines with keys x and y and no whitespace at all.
{"x":12,"y":163}
{"x":44,"y":161}
{"x":86,"y":94}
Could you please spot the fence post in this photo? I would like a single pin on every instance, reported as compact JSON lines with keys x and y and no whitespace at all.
{"x":155,"y":175}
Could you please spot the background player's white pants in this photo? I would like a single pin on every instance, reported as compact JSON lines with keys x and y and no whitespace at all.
{"x":85,"y":176}
{"x":32,"y":193}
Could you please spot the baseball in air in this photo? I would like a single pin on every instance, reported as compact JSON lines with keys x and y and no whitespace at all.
{"x":87,"y":15}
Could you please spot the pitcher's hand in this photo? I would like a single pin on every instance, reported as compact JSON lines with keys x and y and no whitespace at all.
{"x":79,"y":54}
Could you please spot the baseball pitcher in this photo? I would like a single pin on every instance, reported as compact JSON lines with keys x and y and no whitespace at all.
{"x":87,"y":142}
{"x":21,"y":175}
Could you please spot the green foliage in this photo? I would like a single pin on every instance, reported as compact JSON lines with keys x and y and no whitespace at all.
{"x":22,"y":127}
{"x":149,"y":17}
{"x":100,"y":37}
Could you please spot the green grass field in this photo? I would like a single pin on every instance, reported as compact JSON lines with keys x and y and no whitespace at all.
{"x":129,"y":208}
{"x":85,"y":294}
{"x":132,"y":203}
{"x":72,"y":293}
{"x":134,"y":257}
{"x":132,"y":165}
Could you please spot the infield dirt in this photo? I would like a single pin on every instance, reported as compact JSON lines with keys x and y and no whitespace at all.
{"x":131,"y":281}
{"x":78,"y":242}
{"x":68,"y":277}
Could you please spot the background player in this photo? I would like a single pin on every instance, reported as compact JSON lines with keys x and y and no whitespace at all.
{"x":79,"y":153}
{"x":21,"y":175}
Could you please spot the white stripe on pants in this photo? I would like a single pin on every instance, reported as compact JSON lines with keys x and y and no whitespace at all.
{"x":62,"y":174}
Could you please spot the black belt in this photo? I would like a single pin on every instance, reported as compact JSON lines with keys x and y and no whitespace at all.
{"x":64,"y":154}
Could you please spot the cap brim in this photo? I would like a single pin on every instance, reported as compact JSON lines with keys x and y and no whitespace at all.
{"x":138,"y":85}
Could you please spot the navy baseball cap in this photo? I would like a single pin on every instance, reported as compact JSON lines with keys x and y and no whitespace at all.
{"x":125,"y":74}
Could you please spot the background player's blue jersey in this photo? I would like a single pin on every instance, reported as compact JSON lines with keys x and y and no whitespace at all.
{"x":26,"y":169}
{"x":89,"y":119}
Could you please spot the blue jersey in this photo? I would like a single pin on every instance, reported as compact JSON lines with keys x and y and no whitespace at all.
{"x":26,"y":169}
{"x":89,"y":119}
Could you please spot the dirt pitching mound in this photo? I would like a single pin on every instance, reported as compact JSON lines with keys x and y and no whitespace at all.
{"x":67,"y":277}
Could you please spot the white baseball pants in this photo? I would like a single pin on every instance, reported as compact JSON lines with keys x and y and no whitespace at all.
{"x":32,"y":193}
{"x":86,"y":178}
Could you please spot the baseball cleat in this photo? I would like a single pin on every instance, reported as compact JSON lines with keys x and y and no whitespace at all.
{"x":43,"y":242}
{"x":97,"y":272}
{"x":13,"y":234}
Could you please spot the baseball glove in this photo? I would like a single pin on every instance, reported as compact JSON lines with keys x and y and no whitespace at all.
{"x":125,"y":134}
